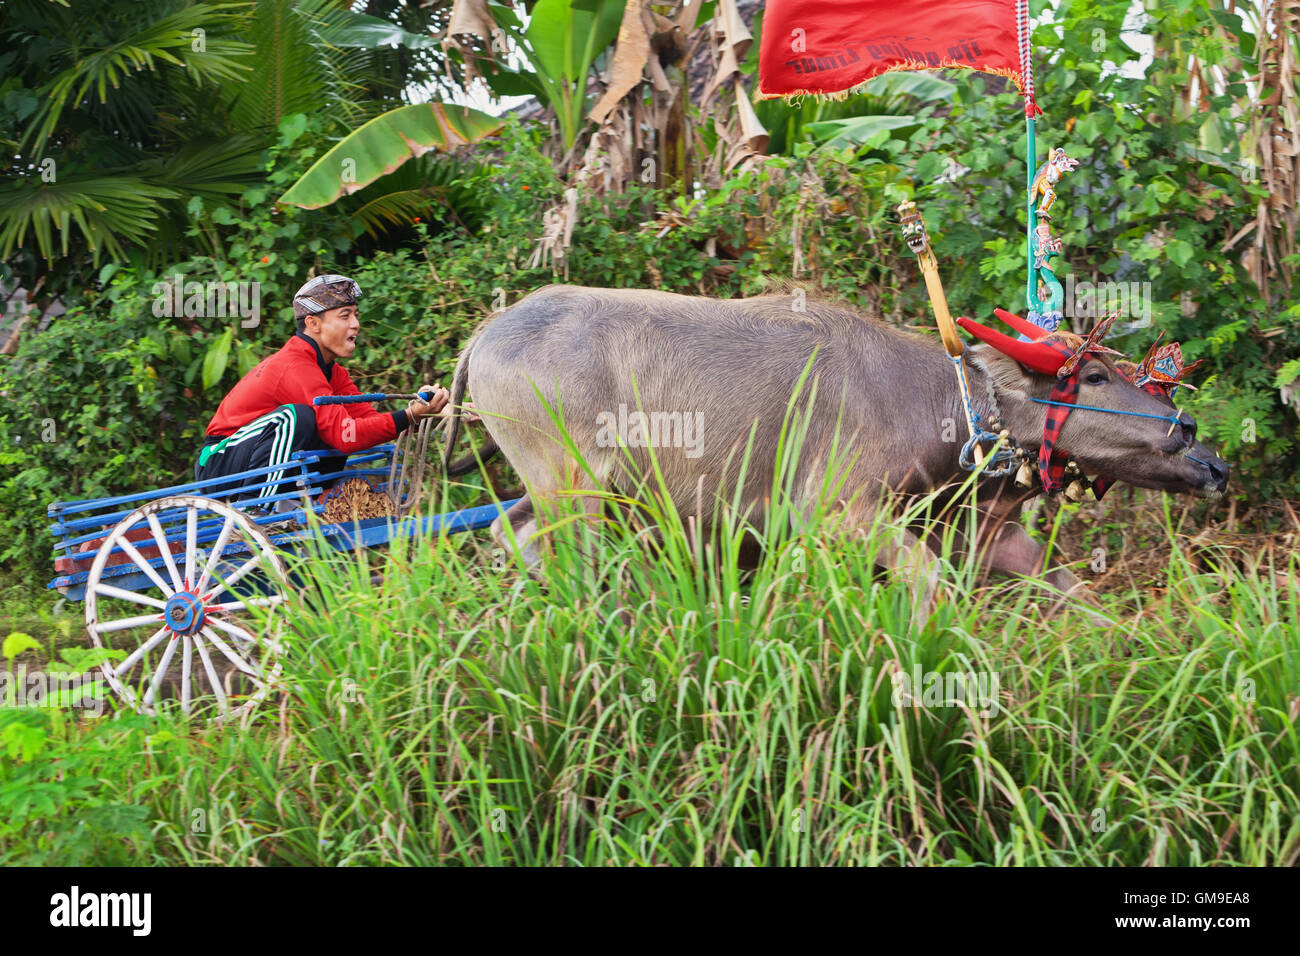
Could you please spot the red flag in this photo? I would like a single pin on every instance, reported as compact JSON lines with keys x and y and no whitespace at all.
{"x":831,"y":46}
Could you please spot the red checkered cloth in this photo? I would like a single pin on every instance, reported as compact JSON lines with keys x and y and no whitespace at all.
{"x":1051,"y":466}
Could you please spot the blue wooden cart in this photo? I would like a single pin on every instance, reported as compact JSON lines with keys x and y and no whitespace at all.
{"x":185,"y":561}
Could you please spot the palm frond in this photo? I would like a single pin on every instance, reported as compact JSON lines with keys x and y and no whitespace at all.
{"x":289,"y":74}
{"x":396,"y":208}
{"x":148,"y":45}
{"x":433,"y":187}
{"x":106,"y":209}
{"x":210,"y":169}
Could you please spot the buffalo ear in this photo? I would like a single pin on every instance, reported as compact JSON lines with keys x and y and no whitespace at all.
{"x":1007,"y":374}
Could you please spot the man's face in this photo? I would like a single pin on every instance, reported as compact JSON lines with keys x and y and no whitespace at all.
{"x":336,"y":330}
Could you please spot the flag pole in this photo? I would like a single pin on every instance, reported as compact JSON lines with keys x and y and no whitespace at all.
{"x":1031,"y":294}
{"x":1031,"y":151}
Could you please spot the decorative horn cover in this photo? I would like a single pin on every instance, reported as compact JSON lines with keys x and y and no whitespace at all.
{"x":1023,"y":326}
{"x":1091,"y":344}
{"x":1037,"y":355}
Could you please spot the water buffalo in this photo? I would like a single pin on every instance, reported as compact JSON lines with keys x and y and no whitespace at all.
{"x":712,"y":369}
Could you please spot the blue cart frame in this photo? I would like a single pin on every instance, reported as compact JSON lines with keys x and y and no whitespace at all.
{"x":228,"y":545}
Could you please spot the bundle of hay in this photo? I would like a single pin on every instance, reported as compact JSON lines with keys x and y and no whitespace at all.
{"x":354,"y":500}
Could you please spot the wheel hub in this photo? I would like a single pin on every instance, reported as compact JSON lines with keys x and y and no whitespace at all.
{"x":184,"y":612}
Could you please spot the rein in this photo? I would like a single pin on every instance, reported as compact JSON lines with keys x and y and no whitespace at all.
{"x":1173,"y":419}
{"x":1004,"y":459}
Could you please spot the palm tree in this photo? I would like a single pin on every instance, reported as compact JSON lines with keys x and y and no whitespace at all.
{"x":122,"y":112}
{"x":100,"y":162}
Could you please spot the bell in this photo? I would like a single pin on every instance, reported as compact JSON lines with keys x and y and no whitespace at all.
{"x":1025,"y":476}
{"x":1074,"y":490}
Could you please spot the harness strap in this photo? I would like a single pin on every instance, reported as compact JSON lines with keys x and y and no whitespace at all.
{"x":972,"y":455}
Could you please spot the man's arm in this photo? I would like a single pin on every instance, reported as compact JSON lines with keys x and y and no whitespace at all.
{"x":345,"y":428}
{"x":416,"y":409}
{"x":361,"y":410}
{"x":359,"y":426}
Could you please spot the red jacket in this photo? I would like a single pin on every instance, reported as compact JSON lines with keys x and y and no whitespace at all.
{"x":295,"y":375}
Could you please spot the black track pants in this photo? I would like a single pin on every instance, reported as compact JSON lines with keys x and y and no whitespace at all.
{"x":269,"y":440}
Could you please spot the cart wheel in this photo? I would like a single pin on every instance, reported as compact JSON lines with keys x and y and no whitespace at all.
{"x":190,"y":605}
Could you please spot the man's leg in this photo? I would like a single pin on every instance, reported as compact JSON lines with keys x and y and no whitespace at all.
{"x":265,"y":442}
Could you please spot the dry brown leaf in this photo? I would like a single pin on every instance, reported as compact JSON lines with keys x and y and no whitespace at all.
{"x":630,"y":58}
{"x":470,"y":20}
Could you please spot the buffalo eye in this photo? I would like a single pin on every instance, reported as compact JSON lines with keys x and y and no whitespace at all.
{"x":1096,"y":378}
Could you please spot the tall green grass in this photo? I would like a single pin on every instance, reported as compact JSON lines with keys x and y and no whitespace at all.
{"x":641,"y":700}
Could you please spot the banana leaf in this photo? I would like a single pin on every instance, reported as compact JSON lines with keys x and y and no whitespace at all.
{"x":384,"y":144}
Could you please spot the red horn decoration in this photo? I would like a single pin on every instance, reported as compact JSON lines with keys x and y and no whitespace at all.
{"x":1039,"y":357}
{"x":1021,"y":325}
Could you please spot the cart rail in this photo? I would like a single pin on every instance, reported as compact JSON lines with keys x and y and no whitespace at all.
{"x":79,"y":525}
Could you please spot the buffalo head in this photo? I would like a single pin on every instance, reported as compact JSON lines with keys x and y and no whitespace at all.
{"x":1140,"y":438}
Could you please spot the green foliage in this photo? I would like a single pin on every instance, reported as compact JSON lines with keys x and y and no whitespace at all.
{"x":101,"y":158}
{"x":16,"y":643}
{"x":115,"y":115}
{"x":561,"y":42}
{"x":54,"y":807}
{"x":383,"y":145}
{"x":640,"y":705}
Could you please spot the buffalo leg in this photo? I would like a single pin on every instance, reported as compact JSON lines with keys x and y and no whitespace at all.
{"x":1013,"y":551}
{"x":523,"y":525}
{"x":907,"y":556}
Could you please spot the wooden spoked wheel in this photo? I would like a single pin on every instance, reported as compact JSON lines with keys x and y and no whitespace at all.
{"x":189,"y":607}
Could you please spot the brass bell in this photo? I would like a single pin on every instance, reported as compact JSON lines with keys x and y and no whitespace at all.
{"x":1074,"y":491}
{"x":1025,"y":476}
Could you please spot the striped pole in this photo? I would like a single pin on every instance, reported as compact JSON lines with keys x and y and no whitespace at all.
{"x":1031,"y":151}
{"x":372,"y":397}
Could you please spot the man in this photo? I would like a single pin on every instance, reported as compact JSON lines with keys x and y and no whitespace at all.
{"x":269,"y":414}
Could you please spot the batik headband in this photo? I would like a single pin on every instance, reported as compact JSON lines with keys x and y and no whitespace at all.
{"x":324,"y":293}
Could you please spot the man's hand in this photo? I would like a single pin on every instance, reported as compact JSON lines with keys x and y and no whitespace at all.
{"x":418,"y":409}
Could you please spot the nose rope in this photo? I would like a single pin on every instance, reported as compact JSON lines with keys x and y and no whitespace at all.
{"x":1113,"y":411}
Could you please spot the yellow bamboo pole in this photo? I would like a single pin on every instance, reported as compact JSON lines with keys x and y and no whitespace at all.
{"x":919,"y":242}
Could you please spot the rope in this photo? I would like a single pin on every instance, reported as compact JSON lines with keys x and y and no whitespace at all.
{"x":406,"y":472}
{"x":978,"y":434}
{"x":1026,"y":60}
{"x":1113,"y":411}
{"x":1005,"y":457}
{"x":971,"y":417}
